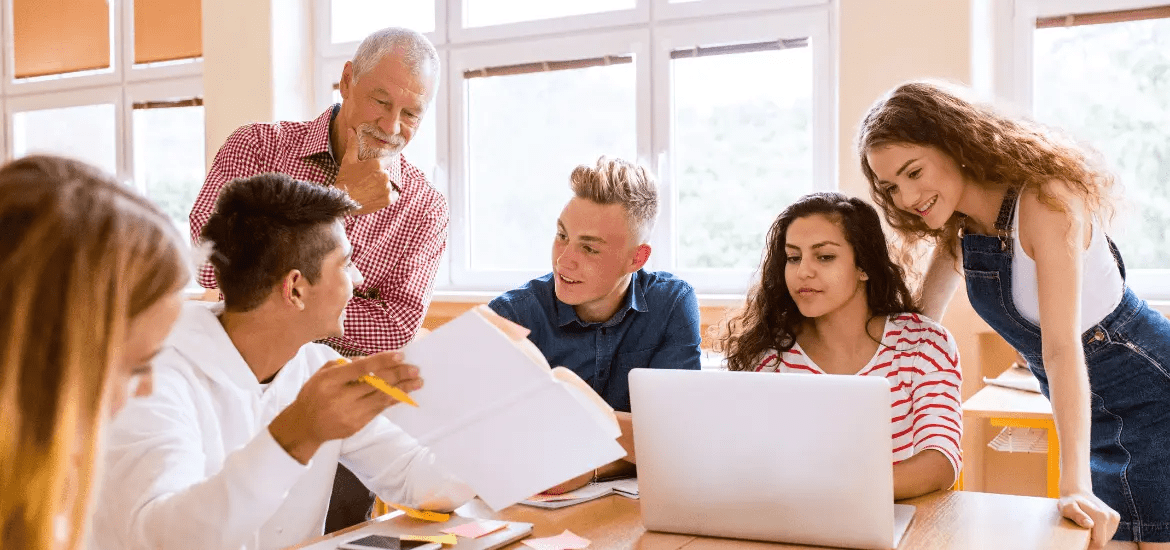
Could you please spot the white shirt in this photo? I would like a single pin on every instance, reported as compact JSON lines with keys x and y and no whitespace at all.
{"x":1101,"y":284}
{"x":193,"y":466}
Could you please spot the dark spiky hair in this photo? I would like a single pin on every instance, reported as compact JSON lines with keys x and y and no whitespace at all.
{"x":267,"y":225}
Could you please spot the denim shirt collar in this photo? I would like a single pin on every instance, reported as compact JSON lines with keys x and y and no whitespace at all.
{"x":635,"y":299}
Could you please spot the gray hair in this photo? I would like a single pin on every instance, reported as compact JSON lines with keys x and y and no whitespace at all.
{"x":414,"y":48}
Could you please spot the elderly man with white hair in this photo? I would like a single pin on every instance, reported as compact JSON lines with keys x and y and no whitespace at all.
{"x":400,"y":231}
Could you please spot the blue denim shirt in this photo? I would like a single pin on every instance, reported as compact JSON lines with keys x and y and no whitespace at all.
{"x":657,"y":326}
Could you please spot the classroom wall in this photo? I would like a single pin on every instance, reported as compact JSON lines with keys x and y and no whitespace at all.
{"x":881,"y":45}
{"x":251,"y":71}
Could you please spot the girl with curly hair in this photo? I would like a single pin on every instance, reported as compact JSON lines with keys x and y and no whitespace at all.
{"x":830,"y":301}
{"x":1024,"y":210}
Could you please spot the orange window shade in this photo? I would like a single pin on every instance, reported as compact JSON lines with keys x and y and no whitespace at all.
{"x":165,"y":30}
{"x":60,"y":36}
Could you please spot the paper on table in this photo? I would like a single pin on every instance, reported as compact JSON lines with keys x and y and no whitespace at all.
{"x":564,"y":541}
{"x":1025,"y":384}
{"x":625,"y":487}
{"x":476,"y":529}
{"x":497,"y":417}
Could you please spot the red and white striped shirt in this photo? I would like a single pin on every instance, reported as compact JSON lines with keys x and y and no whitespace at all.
{"x":397,"y":248}
{"x":919,"y":359}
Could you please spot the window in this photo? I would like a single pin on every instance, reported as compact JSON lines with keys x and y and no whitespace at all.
{"x":482,"y":13}
{"x":106,"y":94}
{"x":169,"y":155}
{"x":38,"y":28}
{"x":728,"y":102}
{"x":743,"y":146}
{"x":554,"y":120}
{"x":167,"y":30}
{"x":352,"y":20}
{"x":84,"y":132}
{"x":1102,"y":78}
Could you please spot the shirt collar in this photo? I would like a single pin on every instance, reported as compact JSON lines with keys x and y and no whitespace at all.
{"x":635,"y":299}
{"x":317,"y":142}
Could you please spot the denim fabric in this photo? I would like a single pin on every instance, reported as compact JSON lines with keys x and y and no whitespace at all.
{"x":1128,"y":358}
{"x":657,"y":326}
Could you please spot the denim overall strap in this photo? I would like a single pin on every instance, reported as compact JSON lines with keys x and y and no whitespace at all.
{"x":987,"y":266}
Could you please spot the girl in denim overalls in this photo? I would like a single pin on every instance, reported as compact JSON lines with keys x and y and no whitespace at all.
{"x":1024,"y":211}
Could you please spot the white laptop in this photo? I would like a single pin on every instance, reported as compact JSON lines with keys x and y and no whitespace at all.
{"x":793,"y":458}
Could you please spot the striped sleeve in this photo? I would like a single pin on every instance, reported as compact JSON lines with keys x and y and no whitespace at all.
{"x":936,"y":402}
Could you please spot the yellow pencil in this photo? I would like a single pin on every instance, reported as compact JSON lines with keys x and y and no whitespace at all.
{"x":387,"y":389}
{"x":382,"y":386}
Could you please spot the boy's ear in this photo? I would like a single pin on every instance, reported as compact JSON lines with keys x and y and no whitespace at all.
{"x":293,"y":287}
{"x":641,"y":256}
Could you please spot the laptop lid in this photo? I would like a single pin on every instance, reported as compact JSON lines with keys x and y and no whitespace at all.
{"x":790,"y":458}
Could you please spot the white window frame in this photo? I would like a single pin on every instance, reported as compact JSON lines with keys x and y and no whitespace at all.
{"x":647,"y":30}
{"x":105,"y":95}
{"x":157,"y":90}
{"x":1014,"y":68}
{"x":122,"y":84}
{"x":665,"y":10}
{"x":557,"y":26}
{"x":597,"y":44}
{"x":813,"y":24}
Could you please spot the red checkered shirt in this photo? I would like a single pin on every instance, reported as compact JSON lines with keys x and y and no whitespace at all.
{"x":397,"y":248}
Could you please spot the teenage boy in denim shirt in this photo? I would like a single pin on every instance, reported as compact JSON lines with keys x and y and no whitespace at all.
{"x":599,"y":313}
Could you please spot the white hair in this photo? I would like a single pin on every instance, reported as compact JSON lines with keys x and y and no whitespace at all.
{"x":413,"y":47}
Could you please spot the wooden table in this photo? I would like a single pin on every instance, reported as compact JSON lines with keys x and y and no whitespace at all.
{"x":954,"y":520}
{"x":1007,"y":407}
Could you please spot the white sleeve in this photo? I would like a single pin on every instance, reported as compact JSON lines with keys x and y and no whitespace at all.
{"x":157,"y":494}
{"x":400,"y":470}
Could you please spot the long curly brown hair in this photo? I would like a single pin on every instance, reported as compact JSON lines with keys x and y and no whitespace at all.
{"x":770,"y":319}
{"x":990,"y":148}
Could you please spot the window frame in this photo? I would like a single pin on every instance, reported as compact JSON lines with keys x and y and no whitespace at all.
{"x":105,"y":95}
{"x":814,"y":24}
{"x":637,"y":42}
{"x":158,"y":90}
{"x":1014,"y":70}
{"x":647,"y":30}
{"x":122,"y":84}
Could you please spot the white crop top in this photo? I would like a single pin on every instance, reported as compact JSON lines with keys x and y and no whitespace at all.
{"x":1101,"y":284}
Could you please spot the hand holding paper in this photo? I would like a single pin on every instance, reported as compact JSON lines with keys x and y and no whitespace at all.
{"x":497,"y":417}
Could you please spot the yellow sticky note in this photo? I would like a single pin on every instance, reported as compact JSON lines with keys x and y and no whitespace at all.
{"x":387,"y":389}
{"x":441,"y":539}
{"x":421,"y":514}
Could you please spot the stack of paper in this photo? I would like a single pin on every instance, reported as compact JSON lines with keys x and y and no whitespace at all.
{"x":495,"y":415}
{"x":624,"y":487}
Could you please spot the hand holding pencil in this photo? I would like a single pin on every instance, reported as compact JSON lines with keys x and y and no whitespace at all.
{"x":341,"y":398}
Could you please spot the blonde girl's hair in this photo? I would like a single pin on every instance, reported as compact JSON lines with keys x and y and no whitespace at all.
{"x":80,"y":257}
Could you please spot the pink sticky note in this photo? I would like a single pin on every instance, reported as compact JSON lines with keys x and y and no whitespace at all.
{"x":564,"y":541}
{"x":476,"y":529}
